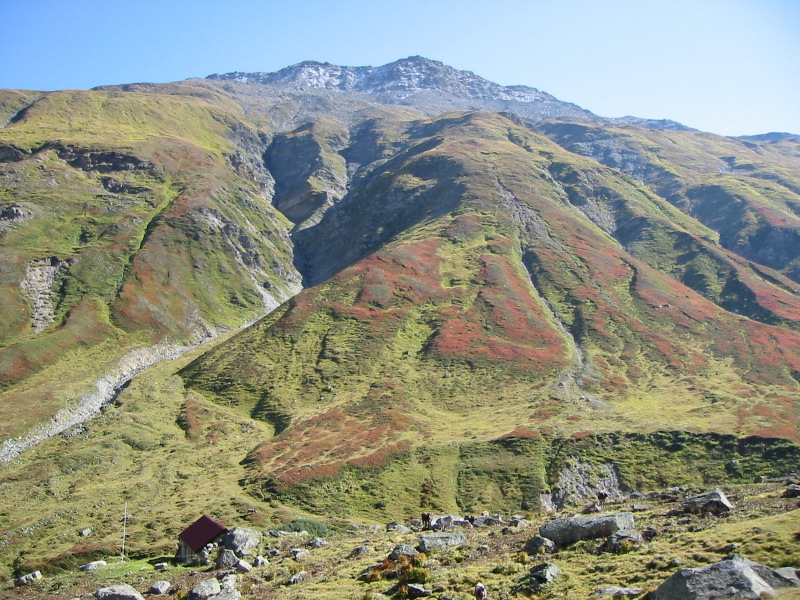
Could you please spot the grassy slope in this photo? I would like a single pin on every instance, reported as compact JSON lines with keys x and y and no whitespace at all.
{"x":132,"y":192}
{"x":442,"y":336}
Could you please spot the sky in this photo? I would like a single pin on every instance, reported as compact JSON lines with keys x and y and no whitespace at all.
{"x":731,"y":67}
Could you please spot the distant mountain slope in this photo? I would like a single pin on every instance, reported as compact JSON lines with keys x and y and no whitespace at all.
{"x":471,"y":288}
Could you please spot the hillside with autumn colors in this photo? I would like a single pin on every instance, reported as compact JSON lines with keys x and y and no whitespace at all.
{"x":366,"y":292}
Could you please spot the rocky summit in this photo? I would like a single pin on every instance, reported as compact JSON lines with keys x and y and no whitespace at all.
{"x":337,"y":297}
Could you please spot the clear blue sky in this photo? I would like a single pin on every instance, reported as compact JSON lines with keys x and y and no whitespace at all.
{"x":726,"y":66}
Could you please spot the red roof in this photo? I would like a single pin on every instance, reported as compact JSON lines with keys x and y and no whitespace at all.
{"x":202,"y":532}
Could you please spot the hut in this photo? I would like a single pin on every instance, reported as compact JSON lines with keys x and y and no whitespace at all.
{"x":196,"y":537}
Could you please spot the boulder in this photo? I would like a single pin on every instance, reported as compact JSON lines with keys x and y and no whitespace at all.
{"x":260,"y":561}
{"x":298,"y":553}
{"x":93,"y":566}
{"x":228,"y":595}
{"x":440,"y":540}
{"x":241,"y":539}
{"x":205,"y":589}
{"x":791,"y":491}
{"x":28,"y":579}
{"x":397,"y":527}
{"x":573,"y":529}
{"x":622,"y":541}
{"x":712,"y":502}
{"x":159,"y":587}
{"x":227,"y":559}
{"x":118,"y":592}
{"x":544,"y":573}
{"x":539,"y":545}
{"x":359,"y":551}
{"x":162,"y":566}
{"x":735,"y":577}
{"x":317,"y":542}
{"x":402,"y":550}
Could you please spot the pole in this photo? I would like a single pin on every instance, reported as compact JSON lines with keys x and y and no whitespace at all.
{"x":124,"y":531}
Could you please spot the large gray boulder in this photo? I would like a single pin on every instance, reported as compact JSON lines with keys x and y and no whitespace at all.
{"x":118,"y":592}
{"x":735,"y":578}
{"x":564,"y":532}
{"x":440,"y":540}
{"x":241,"y":539}
{"x":205,"y":589}
{"x":714,"y":502}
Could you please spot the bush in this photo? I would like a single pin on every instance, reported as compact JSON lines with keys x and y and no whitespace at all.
{"x":313,"y":528}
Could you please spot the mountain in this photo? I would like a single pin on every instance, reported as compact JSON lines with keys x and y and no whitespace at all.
{"x":456,"y":293}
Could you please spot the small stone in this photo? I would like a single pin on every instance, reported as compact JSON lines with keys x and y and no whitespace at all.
{"x":118,"y":592}
{"x":317,"y":542}
{"x":544,"y":573}
{"x":204,"y":589}
{"x":539,"y":545}
{"x":159,"y":587}
{"x":298,"y":553}
{"x":618,"y":592}
{"x":402,"y":550}
{"x":162,"y":566}
{"x":416,"y":590}
{"x":297,"y":578}
{"x":86,"y":532}
{"x":260,"y":561}
{"x":28,"y":579}
{"x":242,"y":566}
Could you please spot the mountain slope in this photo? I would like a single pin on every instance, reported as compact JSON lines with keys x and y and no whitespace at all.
{"x":491,"y":298}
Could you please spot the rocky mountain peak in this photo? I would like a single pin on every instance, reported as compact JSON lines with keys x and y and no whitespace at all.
{"x":399,"y":80}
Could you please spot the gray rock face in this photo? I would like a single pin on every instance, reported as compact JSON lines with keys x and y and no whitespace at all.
{"x":440,"y":540}
{"x":581,"y":482}
{"x":712,"y":502}
{"x":241,"y":539}
{"x":28,"y":579}
{"x":573,"y":529}
{"x":402,"y":550}
{"x":159,"y":587}
{"x":735,"y":577}
{"x":204,"y":589}
{"x":118,"y":592}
